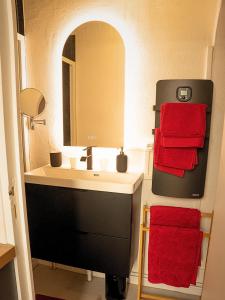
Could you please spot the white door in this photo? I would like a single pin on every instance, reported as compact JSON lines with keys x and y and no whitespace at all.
{"x":214,"y":284}
{"x":13,"y":227}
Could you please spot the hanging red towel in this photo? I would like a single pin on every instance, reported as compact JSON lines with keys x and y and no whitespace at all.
{"x":174,"y":246}
{"x":178,"y":158}
{"x":182,"y":131}
{"x":183,"y":124}
{"x":172,"y":171}
{"x":168,"y":142}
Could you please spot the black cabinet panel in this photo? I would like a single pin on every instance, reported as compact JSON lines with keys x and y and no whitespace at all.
{"x":81,"y":210}
{"x":84,"y":250}
{"x":81,"y":228}
{"x":95,"y":252}
{"x":103,"y":213}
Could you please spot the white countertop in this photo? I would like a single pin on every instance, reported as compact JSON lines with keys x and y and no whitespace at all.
{"x":126,"y":183}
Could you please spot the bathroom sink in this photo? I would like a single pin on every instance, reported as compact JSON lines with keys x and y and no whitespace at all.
{"x":125,"y":183}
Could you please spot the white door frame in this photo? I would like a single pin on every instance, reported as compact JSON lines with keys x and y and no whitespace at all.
{"x":6,"y":228}
{"x":13,"y":223}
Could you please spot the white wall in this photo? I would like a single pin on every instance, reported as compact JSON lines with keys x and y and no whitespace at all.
{"x":163,"y":40}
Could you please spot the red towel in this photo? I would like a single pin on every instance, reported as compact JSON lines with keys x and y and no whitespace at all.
{"x":172,"y":171}
{"x":175,"y":216}
{"x":174,"y":251}
{"x":182,"y":130}
{"x":183,"y":119}
{"x":183,"y":124}
{"x":157,"y":161}
{"x":178,"y":158}
{"x":168,"y":142}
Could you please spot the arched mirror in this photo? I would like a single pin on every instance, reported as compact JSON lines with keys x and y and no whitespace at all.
{"x":32,"y":102}
{"x":93,"y":86}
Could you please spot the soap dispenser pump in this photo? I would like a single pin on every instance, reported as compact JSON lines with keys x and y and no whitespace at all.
{"x":121,"y":162}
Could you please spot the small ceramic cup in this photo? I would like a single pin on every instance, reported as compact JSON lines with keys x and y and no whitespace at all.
{"x":55,"y":159}
{"x":73,"y":162}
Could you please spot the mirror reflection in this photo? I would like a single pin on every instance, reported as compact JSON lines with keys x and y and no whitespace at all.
{"x":93,"y":86}
{"x":32,"y":102}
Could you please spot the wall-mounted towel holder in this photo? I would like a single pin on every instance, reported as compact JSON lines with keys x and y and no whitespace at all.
{"x":193,"y":183}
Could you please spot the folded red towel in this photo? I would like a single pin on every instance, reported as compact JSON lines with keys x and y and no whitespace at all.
{"x":158,"y":158}
{"x":182,"y":142}
{"x":174,"y":246}
{"x":172,"y":171}
{"x":179,"y":158}
{"x":175,"y":216}
{"x":182,"y":130}
{"x":183,"y":119}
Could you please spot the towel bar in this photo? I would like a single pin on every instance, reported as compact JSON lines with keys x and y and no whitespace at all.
{"x":156,"y":297}
{"x":144,"y":229}
{"x":153,"y":132}
{"x":157,"y":108}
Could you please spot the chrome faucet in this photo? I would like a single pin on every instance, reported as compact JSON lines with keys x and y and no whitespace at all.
{"x":88,"y":157}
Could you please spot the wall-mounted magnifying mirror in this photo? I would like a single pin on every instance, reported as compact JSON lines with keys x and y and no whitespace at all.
{"x":32,"y":102}
{"x":93,"y":86}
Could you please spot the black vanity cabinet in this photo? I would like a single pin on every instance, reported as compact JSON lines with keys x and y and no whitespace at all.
{"x":92,"y":230}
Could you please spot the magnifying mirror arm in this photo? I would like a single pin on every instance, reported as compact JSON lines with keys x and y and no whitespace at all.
{"x":38,"y":121}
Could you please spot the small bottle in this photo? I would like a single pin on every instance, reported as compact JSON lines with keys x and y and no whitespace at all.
{"x":121,"y":162}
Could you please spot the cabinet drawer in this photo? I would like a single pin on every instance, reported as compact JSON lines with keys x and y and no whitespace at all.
{"x":43,"y":244}
{"x":81,"y":210}
{"x":88,"y":251}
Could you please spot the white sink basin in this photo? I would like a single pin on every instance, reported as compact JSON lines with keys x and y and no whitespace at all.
{"x":125,"y":183}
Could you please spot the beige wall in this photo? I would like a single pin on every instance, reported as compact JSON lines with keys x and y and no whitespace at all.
{"x":214,"y":287}
{"x":163,"y":40}
{"x":99,"y":85}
